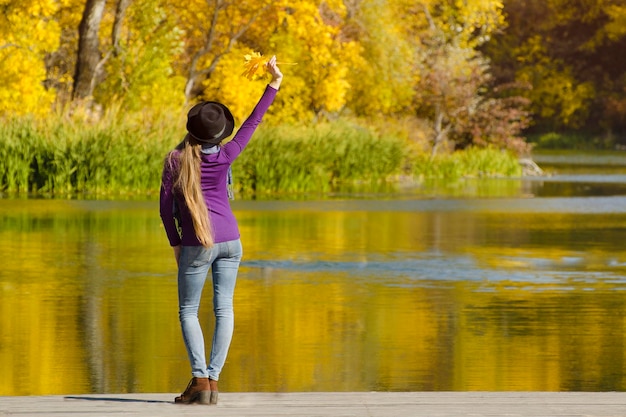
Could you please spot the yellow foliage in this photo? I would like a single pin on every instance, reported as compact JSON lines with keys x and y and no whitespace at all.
{"x":614,"y":29}
{"x":318,"y":75}
{"x":27,"y":34}
{"x":21,"y":91}
{"x":292,"y":104}
{"x":469,"y":22}
{"x":382,"y":72}
{"x":324,"y":58}
{"x":139,"y":75}
{"x":227,"y":86}
{"x":555,"y":94}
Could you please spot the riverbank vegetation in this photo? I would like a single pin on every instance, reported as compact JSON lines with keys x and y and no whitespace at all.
{"x":68,"y":159}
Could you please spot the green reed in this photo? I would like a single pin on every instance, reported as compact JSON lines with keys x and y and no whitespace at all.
{"x":64,"y":158}
{"x":69,"y":158}
{"x":472,"y":162}
{"x":315,"y":159}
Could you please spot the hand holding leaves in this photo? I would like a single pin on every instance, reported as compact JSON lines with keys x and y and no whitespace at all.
{"x":273,"y":69}
{"x":256,"y":62}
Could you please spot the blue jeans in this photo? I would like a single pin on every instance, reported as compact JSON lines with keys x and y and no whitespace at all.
{"x":193,"y":266}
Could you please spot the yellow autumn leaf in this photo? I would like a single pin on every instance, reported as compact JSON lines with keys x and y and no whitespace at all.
{"x":255,"y":62}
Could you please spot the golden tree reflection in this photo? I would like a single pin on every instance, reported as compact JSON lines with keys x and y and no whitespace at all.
{"x":333,"y":300}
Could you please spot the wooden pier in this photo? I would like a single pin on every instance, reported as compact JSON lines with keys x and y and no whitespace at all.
{"x":336,"y":404}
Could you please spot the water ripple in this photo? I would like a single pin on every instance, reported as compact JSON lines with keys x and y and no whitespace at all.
{"x":583,"y":205}
{"x":535,"y":271}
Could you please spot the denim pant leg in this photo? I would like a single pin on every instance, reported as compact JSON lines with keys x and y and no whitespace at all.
{"x":193,"y":267}
{"x":194,"y":263}
{"x":224,"y":272}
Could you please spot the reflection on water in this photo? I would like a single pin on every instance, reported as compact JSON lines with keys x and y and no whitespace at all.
{"x":509,"y":291}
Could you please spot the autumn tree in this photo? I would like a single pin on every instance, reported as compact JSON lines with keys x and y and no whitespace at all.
{"x":572,"y":55}
{"x":382,"y":76}
{"x":306,"y":34}
{"x":310,"y":35}
{"x":455,"y":89}
{"x":27,"y":34}
{"x":139,"y":65}
{"x":212,"y":29}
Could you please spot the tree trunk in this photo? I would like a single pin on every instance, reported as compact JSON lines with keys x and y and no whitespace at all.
{"x":120,"y":13}
{"x":441,"y":132}
{"x":88,"y":49}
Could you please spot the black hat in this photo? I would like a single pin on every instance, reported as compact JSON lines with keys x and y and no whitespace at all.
{"x":210,"y":122}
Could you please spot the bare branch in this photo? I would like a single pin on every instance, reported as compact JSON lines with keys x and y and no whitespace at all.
{"x":234,"y":35}
{"x":429,"y":17}
{"x":9,"y":45}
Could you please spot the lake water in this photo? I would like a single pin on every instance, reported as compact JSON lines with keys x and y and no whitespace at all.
{"x":510,"y":284}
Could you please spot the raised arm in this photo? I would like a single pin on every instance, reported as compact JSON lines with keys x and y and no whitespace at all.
{"x":241,"y":139}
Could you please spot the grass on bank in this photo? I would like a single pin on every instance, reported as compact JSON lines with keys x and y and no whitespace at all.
{"x":61,"y":158}
{"x":575,"y":140}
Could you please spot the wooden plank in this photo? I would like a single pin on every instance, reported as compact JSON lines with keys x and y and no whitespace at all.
{"x":336,"y":404}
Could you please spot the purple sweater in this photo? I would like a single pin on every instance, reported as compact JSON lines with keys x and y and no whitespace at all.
{"x":214,"y":169}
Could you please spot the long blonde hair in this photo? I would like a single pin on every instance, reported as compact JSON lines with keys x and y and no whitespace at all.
{"x":187,"y":181}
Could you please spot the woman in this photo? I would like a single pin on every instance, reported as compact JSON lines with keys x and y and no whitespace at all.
{"x":203,"y":232}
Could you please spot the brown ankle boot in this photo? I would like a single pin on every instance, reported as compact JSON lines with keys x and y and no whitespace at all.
{"x":214,"y":392}
{"x":197,"y":391}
